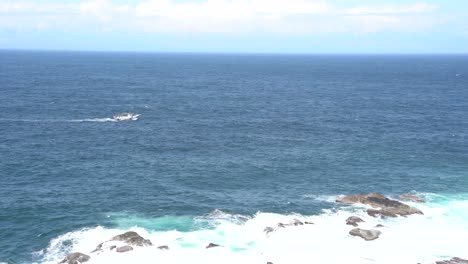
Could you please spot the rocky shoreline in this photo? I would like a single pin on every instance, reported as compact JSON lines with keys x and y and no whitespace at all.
{"x":381,"y":207}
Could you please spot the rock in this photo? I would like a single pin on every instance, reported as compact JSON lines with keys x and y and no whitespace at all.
{"x":132,"y":238}
{"x":379,"y":225}
{"x":75,"y":258}
{"x":412,"y":198}
{"x":112,"y":247}
{"x":269,"y":262}
{"x":453,"y":261}
{"x":164,"y":247}
{"x":295,"y":222}
{"x":98,"y":248}
{"x":367,"y":235}
{"x":212,"y":245}
{"x":268,"y":229}
{"x":123,"y":249}
{"x":380,"y":213}
{"x":354,"y":220}
{"x":384,"y":206}
{"x":308,"y":223}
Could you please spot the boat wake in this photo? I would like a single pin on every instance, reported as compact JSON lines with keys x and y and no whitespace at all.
{"x":115,"y":118}
{"x":94,"y":120}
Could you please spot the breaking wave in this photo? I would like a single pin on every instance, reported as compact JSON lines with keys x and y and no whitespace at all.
{"x":441,"y":233}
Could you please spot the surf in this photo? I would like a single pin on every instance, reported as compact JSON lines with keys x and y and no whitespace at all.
{"x":438,"y":234}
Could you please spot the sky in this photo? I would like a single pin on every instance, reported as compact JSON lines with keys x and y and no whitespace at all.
{"x":237,"y":26}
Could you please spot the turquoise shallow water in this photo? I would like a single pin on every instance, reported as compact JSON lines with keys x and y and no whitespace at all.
{"x":238,"y":133}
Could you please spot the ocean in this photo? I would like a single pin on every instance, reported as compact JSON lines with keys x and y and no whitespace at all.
{"x":226,"y":145}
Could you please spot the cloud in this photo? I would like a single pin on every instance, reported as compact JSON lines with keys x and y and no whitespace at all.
{"x":217,"y":16}
{"x":395,"y":9}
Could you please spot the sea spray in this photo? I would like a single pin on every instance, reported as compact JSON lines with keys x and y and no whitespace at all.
{"x":438,"y":234}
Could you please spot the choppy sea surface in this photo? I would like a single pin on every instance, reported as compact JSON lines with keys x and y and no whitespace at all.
{"x":226,"y":145}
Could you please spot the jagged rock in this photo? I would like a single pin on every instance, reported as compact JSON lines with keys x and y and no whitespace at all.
{"x":367,"y":235}
{"x":354,"y":220}
{"x":123,"y":249}
{"x":453,"y":261}
{"x":164,"y":247}
{"x":75,"y":258}
{"x":212,"y":245}
{"x":268,"y":229}
{"x":412,"y":198}
{"x":132,"y":238}
{"x":384,"y":206}
{"x":308,"y":223}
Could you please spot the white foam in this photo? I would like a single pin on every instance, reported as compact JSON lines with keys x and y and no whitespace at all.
{"x":94,"y":120}
{"x":441,"y":233}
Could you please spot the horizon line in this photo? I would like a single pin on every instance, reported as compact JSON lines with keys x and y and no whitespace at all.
{"x":227,"y":52}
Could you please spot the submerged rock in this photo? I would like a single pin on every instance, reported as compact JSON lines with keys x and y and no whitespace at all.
{"x":212,"y":245}
{"x":268,"y":229}
{"x":164,"y":247}
{"x":75,"y":258}
{"x":98,"y":248}
{"x":132,"y":238}
{"x":354,"y":220}
{"x":385,"y":207}
{"x":367,"y":235}
{"x":124,"y":249}
{"x":295,"y":222}
{"x":412,"y":198}
{"x":453,"y":261}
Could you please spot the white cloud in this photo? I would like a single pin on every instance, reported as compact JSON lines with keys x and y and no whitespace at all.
{"x":392,"y":9}
{"x":223,"y":16}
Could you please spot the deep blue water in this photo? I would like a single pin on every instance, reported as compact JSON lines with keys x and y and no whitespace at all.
{"x":240,"y":133}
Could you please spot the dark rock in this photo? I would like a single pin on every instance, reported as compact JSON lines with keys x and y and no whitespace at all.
{"x":379,"y":225}
{"x":268,"y":229}
{"x":124,"y":249}
{"x":412,"y":198}
{"x":75,"y":258}
{"x":380,"y":213}
{"x":269,"y":262}
{"x":308,"y":223}
{"x":164,"y":247}
{"x":354,"y":220}
{"x":281,"y":225}
{"x":112,"y":247}
{"x":132,"y":238}
{"x":367,"y":235}
{"x":385,"y":207}
{"x":212,"y":245}
{"x":453,"y":261}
